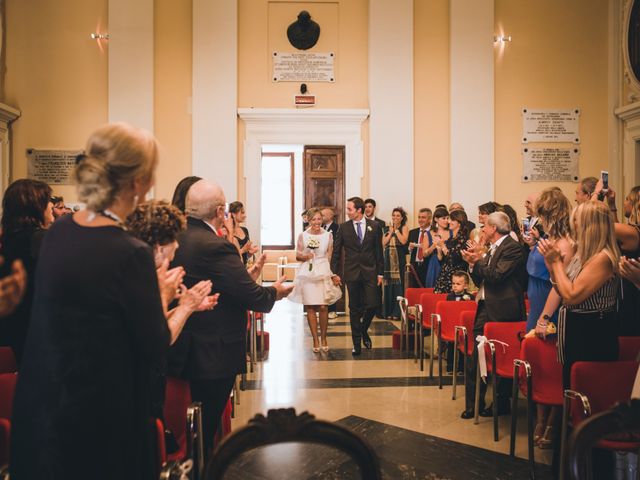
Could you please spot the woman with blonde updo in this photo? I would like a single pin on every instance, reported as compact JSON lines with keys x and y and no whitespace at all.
{"x":98,"y":333}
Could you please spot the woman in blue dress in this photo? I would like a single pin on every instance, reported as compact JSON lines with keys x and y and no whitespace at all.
{"x":553,"y":210}
{"x":438,"y":234}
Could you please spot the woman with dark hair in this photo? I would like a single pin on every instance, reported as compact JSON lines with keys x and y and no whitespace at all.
{"x":180,"y":193}
{"x":439,"y":233}
{"x":240,"y":233}
{"x":451,"y":258}
{"x":516,"y":232}
{"x":394,"y":242}
{"x":158,"y":224}
{"x":484,"y":211}
{"x":26,"y":213}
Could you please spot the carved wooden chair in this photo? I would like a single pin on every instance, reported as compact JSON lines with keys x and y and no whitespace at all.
{"x":623,"y":419}
{"x":284,"y":426}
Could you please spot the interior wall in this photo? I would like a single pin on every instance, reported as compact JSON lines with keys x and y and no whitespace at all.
{"x":431,"y":177}
{"x":262,"y":29}
{"x":557,"y":58}
{"x":172,"y":106}
{"x":56,"y":75}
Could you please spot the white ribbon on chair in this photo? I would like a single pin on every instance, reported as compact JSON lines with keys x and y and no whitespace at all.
{"x":482,"y":359}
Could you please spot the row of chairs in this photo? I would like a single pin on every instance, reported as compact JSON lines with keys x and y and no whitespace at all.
{"x":532,"y":362}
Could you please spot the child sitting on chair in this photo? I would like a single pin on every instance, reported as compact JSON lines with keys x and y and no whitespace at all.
{"x":459,"y":292}
{"x":460,"y":287}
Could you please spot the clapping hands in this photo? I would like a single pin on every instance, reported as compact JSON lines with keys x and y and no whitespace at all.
{"x":169,"y":281}
{"x":12,"y":288}
{"x":255,"y":269}
{"x":630,"y":269}
{"x":549,"y":251}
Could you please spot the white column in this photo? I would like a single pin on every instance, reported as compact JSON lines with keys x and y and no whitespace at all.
{"x":391,"y":105}
{"x":215,"y":92}
{"x":472,"y":103}
{"x":131,"y":62}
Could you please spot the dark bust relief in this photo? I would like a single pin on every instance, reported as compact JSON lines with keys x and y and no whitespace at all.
{"x":633,"y":39}
{"x":304,"y":32}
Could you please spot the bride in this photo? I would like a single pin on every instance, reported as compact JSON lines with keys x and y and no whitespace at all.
{"x":313,"y":286}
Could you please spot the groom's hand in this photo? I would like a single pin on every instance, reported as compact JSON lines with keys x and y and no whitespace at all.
{"x":336,"y":280}
{"x":379,"y":280}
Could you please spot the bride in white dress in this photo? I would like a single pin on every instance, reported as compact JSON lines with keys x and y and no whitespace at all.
{"x":313,"y":286}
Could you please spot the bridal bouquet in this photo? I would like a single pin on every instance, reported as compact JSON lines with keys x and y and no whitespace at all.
{"x":312,"y":245}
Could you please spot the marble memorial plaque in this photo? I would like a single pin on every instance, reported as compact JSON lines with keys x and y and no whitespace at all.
{"x":550,"y":125}
{"x":550,"y":164}
{"x":303,"y":67}
{"x":51,"y":166}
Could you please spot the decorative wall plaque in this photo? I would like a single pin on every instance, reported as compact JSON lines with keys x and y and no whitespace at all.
{"x":304,"y":32}
{"x":51,"y":166}
{"x":303,"y":67}
{"x":550,"y":164}
{"x":550,"y":125}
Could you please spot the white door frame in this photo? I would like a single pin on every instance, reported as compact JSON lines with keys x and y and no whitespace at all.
{"x":305,"y":127}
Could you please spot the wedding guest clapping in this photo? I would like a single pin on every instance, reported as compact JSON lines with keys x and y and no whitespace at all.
{"x":440,"y":233}
{"x":240,"y":233}
{"x":587,"y":322}
{"x":98,"y":333}
{"x":452,"y":260}
{"x":394,"y":242}
{"x":158,"y":224}
{"x":26,"y":214}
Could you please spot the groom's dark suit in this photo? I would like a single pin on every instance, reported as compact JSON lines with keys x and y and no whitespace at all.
{"x":363,"y":262}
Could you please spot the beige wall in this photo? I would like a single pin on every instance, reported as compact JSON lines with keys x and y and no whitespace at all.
{"x":172,"y":106}
{"x":431,"y":97}
{"x":557,"y":59}
{"x":55,"y":74}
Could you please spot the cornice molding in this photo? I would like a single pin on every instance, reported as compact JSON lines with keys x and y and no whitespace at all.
{"x":8,"y":114}
{"x":327,"y":116}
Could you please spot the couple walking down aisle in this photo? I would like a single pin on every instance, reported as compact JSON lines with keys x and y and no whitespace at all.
{"x":361,"y":241}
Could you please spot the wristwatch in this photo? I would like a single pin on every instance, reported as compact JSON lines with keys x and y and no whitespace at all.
{"x":546,"y":317}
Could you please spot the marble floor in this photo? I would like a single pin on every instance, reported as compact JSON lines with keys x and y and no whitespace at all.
{"x":382,"y":386}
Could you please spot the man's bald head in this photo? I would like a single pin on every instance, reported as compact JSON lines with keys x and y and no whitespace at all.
{"x":204,"y":200}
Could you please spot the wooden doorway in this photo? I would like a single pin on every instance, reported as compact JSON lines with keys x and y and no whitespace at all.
{"x":324,"y":179}
{"x":324,"y":187}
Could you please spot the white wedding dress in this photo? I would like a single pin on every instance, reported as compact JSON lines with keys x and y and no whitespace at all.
{"x":313,"y":285}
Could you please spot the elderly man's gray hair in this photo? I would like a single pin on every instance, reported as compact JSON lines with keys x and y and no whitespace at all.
{"x":501,"y":221}
{"x":203,"y":200}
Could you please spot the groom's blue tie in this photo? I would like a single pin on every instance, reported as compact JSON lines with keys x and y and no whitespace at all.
{"x":359,"y":232}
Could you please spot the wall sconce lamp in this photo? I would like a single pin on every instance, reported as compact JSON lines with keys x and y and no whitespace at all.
{"x":501,"y":38}
{"x":100,"y":36}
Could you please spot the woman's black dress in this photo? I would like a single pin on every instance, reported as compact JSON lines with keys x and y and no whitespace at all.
{"x":242,"y":242}
{"x":20,"y":245}
{"x":97,"y":339}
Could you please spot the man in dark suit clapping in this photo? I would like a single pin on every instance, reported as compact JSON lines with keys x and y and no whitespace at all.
{"x":211,"y":350}
{"x":501,"y":274}
{"x":361,"y":240}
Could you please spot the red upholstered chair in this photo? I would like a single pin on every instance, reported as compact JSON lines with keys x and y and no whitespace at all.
{"x":629,"y":348}
{"x":7,"y":389}
{"x":502,"y":348}
{"x":464,"y":343}
{"x":447,"y":318}
{"x":539,"y":376}
{"x":596,"y":387}
{"x":402,"y":339}
{"x":184,"y":418}
{"x":7,"y":361}
{"x":427,"y":303}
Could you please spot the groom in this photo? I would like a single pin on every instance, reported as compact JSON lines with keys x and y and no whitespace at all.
{"x":361,"y":240}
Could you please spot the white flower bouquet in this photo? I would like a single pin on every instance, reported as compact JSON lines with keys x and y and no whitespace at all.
{"x":312,"y":245}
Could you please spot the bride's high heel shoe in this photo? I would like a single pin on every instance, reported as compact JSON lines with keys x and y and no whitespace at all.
{"x":315,"y":349}
{"x":325,"y":348}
